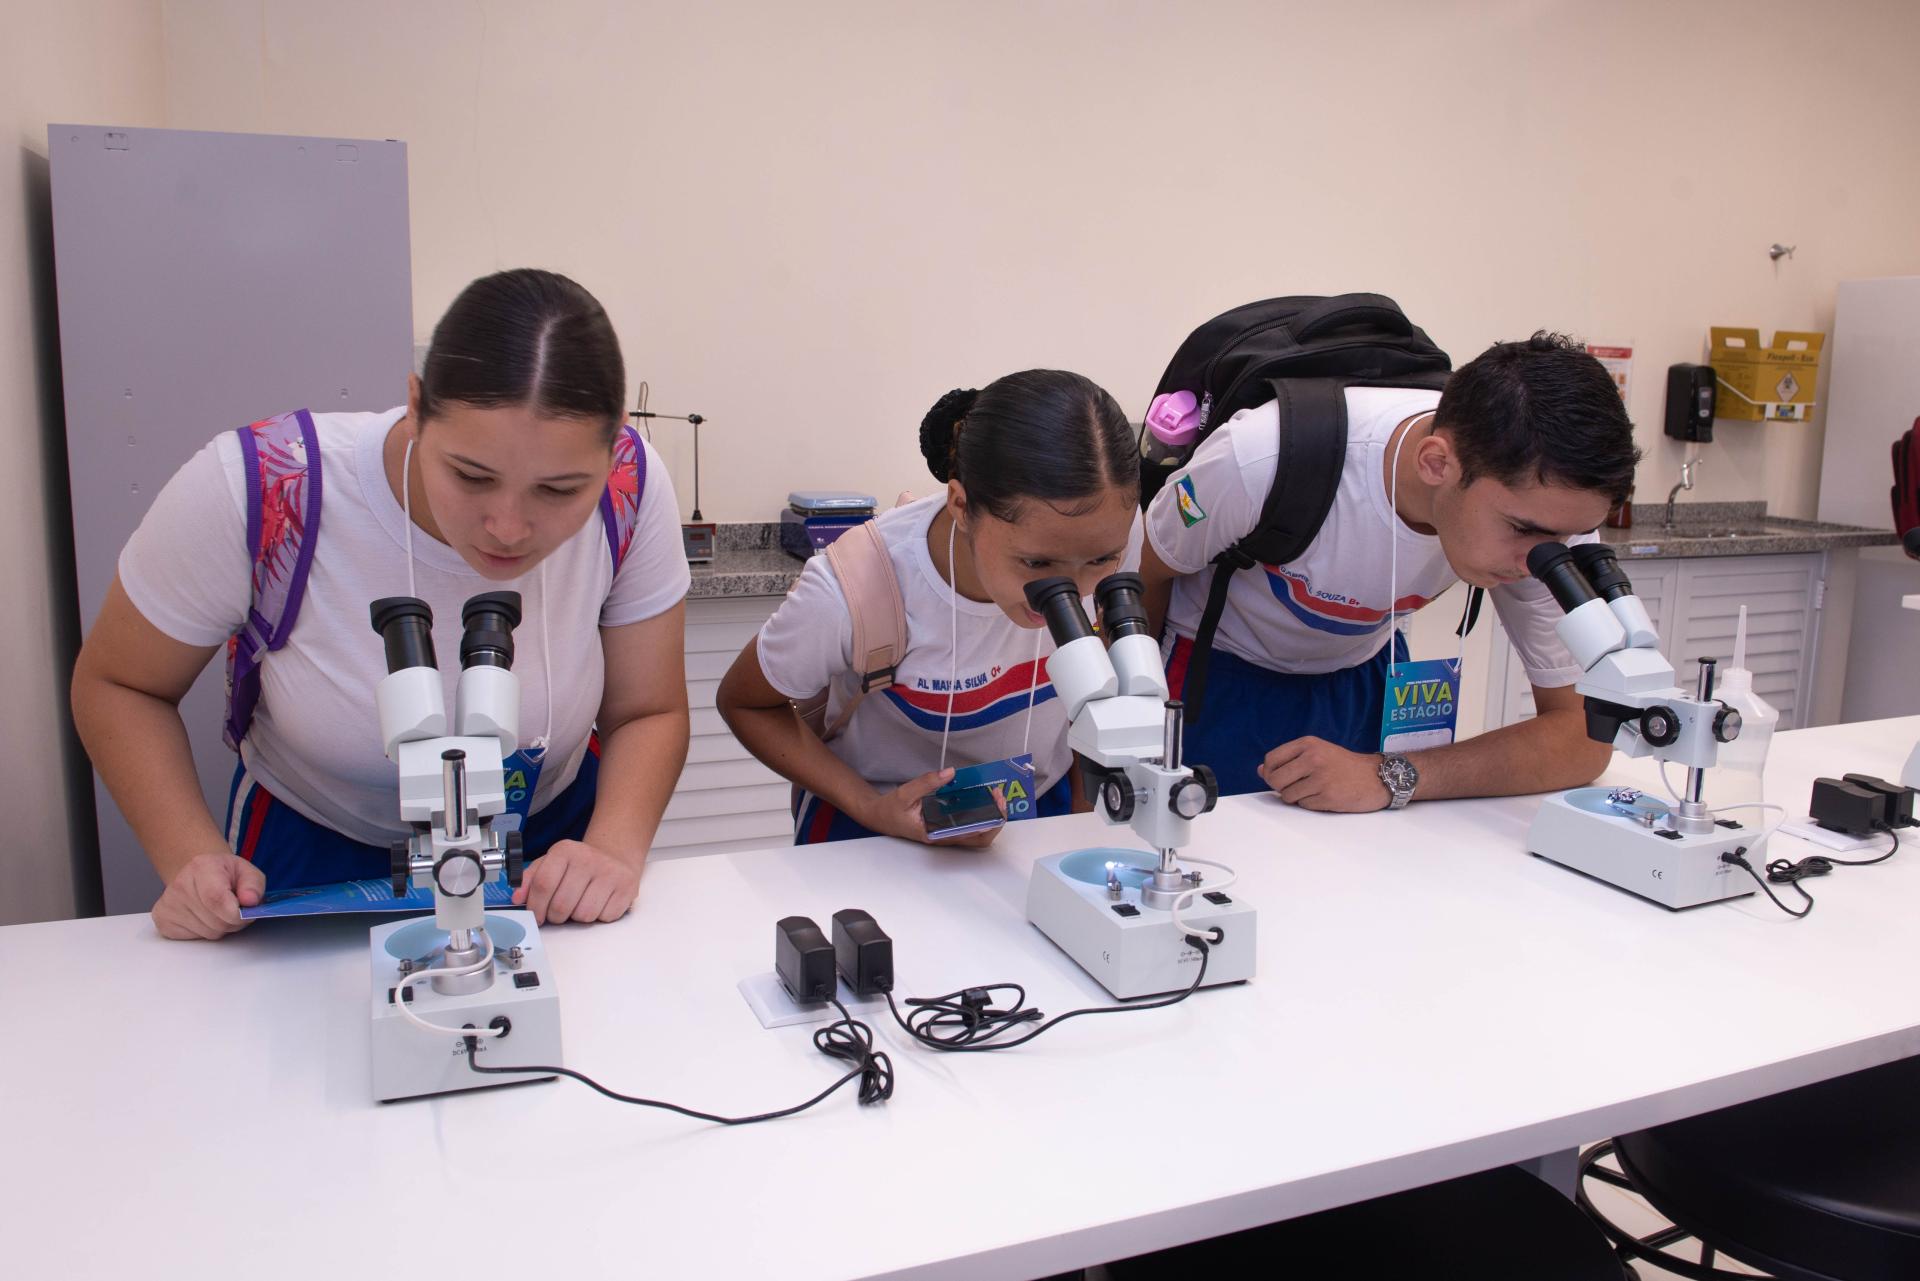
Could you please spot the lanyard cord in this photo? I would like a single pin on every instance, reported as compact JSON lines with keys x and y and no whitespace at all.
{"x":406,"y":505}
{"x":953,"y":665}
{"x":953,"y":641}
{"x":1393,"y":554}
{"x":537,"y":750}
{"x":1393,"y":548}
{"x":1033,"y":685}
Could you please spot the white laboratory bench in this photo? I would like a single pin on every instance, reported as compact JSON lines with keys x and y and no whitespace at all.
{"x":1430,"y":1001}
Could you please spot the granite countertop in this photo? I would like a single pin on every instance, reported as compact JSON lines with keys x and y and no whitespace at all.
{"x":1732,"y":529}
{"x":747,"y":560}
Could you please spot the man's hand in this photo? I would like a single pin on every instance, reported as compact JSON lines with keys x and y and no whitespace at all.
{"x":897,"y":813}
{"x":574,"y":881}
{"x":204,"y":898}
{"x":1317,"y":775}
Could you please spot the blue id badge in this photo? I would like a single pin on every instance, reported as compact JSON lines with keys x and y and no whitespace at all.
{"x":1422,"y":705}
{"x":1012,"y":778}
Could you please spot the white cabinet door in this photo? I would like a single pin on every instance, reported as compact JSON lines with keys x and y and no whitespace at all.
{"x":1695,"y":605}
{"x":1655,"y":582}
{"x":725,"y":799}
{"x":1778,"y":592}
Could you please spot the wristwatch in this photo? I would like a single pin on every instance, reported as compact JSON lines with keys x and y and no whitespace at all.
{"x":1400,"y":777}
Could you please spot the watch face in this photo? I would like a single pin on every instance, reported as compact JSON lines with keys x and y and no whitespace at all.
{"x":1399,"y":774}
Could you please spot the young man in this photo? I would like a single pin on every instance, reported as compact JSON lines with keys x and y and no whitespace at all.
{"x":1529,"y":443}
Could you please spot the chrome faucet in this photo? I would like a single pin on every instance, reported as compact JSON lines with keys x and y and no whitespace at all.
{"x":1687,"y":469}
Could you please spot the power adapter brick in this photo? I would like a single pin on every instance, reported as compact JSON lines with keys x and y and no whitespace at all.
{"x":863,"y":952}
{"x":1841,"y":806}
{"x":1898,"y":800}
{"x":803,"y":959}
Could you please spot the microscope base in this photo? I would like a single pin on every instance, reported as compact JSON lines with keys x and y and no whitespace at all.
{"x":409,"y":1062}
{"x":1675,"y":872}
{"x":1134,"y":950}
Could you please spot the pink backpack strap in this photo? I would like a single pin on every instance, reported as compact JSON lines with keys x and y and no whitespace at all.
{"x":626,"y":486}
{"x":864,"y":566}
{"x":282,"y":458}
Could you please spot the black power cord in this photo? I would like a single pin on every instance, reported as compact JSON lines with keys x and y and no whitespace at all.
{"x":846,"y":1038}
{"x":1738,"y":858}
{"x":1832,"y":862}
{"x":849,"y":1039}
{"x":1786,"y":872}
{"x":966,"y":1020}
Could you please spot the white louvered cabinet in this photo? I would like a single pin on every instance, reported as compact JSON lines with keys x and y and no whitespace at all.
{"x":725,"y":799}
{"x":1780,"y":594}
{"x":1695,"y":605}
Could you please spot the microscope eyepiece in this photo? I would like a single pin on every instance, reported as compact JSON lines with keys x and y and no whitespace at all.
{"x":1058,"y":601}
{"x":489,"y":620}
{"x":1602,"y":569}
{"x":1554,"y":565}
{"x":405,"y":624}
{"x":1123,"y":611}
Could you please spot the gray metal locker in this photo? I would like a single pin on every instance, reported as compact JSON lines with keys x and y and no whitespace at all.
{"x":206,"y":280}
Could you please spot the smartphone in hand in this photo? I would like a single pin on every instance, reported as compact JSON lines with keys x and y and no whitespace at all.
{"x":961,"y":812}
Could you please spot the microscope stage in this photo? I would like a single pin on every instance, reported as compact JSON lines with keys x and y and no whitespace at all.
{"x":409,"y":1061}
{"x":1134,"y":949}
{"x":1580,"y":829}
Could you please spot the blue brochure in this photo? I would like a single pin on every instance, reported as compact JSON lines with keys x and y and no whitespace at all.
{"x":1012,"y":778}
{"x":372,"y":895}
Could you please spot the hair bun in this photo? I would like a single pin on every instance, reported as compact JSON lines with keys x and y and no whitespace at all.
{"x":937,"y":429}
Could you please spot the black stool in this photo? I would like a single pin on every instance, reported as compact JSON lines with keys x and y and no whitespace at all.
{"x":1817,"y":1184}
{"x":1499,"y":1225}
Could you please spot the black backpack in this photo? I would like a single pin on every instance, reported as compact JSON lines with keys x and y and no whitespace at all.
{"x":1303,"y":352}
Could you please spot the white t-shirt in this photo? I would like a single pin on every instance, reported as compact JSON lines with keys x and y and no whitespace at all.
{"x":1333,"y":607}
{"x":1001,"y":667}
{"x":315,"y":739}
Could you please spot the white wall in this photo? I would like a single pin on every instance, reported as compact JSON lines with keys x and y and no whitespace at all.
{"x":94,"y":60}
{"x":809,"y":220}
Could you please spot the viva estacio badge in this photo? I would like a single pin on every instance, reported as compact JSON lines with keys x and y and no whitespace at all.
{"x":1422,"y":705}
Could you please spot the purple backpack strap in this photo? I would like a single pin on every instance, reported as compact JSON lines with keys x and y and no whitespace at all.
{"x":282,"y":456}
{"x":626,"y":485}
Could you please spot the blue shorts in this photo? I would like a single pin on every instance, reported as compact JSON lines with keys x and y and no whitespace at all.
{"x":293,"y":850}
{"x":1249,"y":710}
{"x":816,"y":820}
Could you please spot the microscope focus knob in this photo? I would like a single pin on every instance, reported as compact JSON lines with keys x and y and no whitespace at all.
{"x":516,"y":859}
{"x":459,"y":874}
{"x":1660,"y":726}
{"x":1194,"y":796}
{"x":399,"y":866}
{"x":1726,"y":724}
{"x":1207,"y":780}
{"x":1116,"y":797}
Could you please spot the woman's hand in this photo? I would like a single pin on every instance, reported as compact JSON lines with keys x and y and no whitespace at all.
{"x":204,"y":898}
{"x":574,"y":881}
{"x":897,"y":813}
